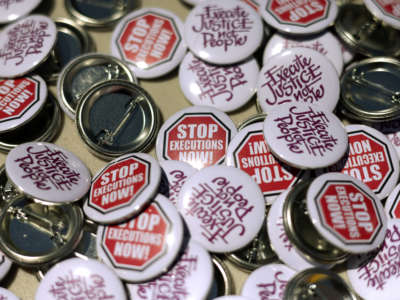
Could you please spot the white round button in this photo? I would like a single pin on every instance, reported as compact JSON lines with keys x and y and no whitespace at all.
{"x":249,"y":152}
{"x":392,"y":204}
{"x":223,"y":31}
{"x":13,"y":10}
{"x":37,"y":35}
{"x":198,"y":135}
{"x":223,"y":208}
{"x":145,"y":246}
{"x":122,"y":188}
{"x":47,"y":172}
{"x":305,"y":136}
{"x":224,"y":87}
{"x":77,"y":278}
{"x":378,"y":278}
{"x":280,"y":242}
{"x":150,"y":41}
{"x":298,"y":75}
{"x":190,"y":278}
{"x":387,"y":11}
{"x":267,"y":282}
{"x":177,"y":172}
{"x":21,"y":99}
{"x":325,"y":43}
{"x":7,"y":295}
{"x":299,"y":17}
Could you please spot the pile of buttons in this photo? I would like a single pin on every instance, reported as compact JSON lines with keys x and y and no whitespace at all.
{"x":303,"y":195}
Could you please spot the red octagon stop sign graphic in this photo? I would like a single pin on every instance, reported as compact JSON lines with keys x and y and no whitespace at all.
{"x":198,"y":139}
{"x":140,"y":242}
{"x":148,"y":40}
{"x":17,"y":96}
{"x":303,"y":13}
{"x":348,"y":212}
{"x":391,"y":8}
{"x":119,"y":184}
{"x":253,"y":157}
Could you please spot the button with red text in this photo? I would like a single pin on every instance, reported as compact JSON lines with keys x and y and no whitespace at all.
{"x":386,"y":11}
{"x":346,"y":213}
{"x":370,"y":158}
{"x":299,"y":17}
{"x":13,"y":10}
{"x":77,"y":278}
{"x":47,"y":172}
{"x":36,"y":35}
{"x":145,"y":246}
{"x":379,"y":277}
{"x":177,"y":172}
{"x":298,"y":75}
{"x":267,"y":282}
{"x":255,"y":4}
{"x":392,"y":204}
{"x":224,"y":87}
{"x":198,"y":135}
{"x":150,"y":41}
{"x":122,"y":188}
{"x":7,"y":295}
{"x":249,"y":152}
{"x":223,"y":207}
{"x":305,"y":136}
{"x":283,"y":247}
{"x":21,"y":99}
{"x":190,"y":278}
{"x":223,"y":31}
{"x":325,"y":43}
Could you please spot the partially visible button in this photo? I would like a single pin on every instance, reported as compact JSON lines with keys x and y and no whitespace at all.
{"x":267,"y":280}
{"x":223,"y":282}
{"x":228,"y":198}
{"x":226,"y":88}
{"x":325,"y":43}
{"x":5,"y":265}
{"x":386,"y":11}
{"x":253,"y":3}
{"x":85,"y":71}
{"x":81,"y":278}
{"x":258,"y":117}
{"x":391,"y":129}
{"x":13,"y":10}
{"x":150,"y":41}
{"x":298,"y":75}
{"x":122,"y":188}
{"x":117,"y":117}
{"x":299,"y":17}
{"x":47,"y":173}
{"x":34,"y":235}
{"x":292,"y":137}
{"x":198,"y":135}
{"x":40,"y":34}
{"x":99,"y":13}
{"x":145,"y":246}
{"x":392,"y":204}
{"x":190,"y":278}
{"x":7,"y":295}
{"x":238,"y":35}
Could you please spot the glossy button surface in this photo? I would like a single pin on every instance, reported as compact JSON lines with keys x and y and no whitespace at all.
{"x":387,"y":11}
{"x":13,"y":10}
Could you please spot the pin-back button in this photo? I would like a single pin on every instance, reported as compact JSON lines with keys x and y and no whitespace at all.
{"x":145,"y":246}
{"x":269,"y":280}
{"x":13,"y":10}
{"x":40,"y":34}
{"x":227,"y":198}
{"x":34,"y":234}
{"x":198,"y":135}
{"x":47,"y":173}
{"x":7,"y":295}
{"x":83,"y":72}
{"x":392,"y":207}
{"x":224,"y":87}
{"x":386,"y":11}
{"x":149,"y":41}
{"x":325,"y":43}
{"x":177,"y":172}
{"x":235,"y":36}
{"x":258,"y":117}
{"x":122,"y":188}
{"x":223,"y":284}
{"x":117,"y":117}
{"x":391,"y":129}
{"x":287,"y":131}
{"x":190,"y":278}
{"x":249,"y":152}
{"x":299,"y":17}
{"x":99,"y":13}
{"x":298,"y":75}
{"x":77,"y":277}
